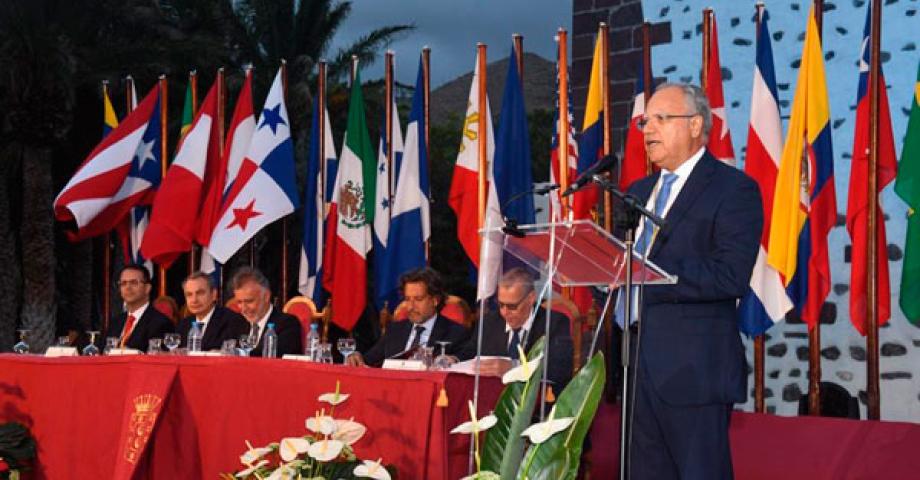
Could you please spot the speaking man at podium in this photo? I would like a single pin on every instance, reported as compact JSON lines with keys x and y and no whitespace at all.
{"x":689,"y":360}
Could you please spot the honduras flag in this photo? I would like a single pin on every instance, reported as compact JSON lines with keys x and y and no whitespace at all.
{"x":410,"y":225}
{"x":385,"y":192}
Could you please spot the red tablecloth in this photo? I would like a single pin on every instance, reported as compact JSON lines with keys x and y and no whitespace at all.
{"x":185,"y":417}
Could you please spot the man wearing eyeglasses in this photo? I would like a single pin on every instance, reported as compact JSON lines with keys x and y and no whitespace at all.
{"x":690,"y":365}
{"x":517,"y":326}
{"x":140,"y":321}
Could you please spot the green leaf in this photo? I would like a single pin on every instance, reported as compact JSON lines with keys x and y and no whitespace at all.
{"x":558,"y":457}
{"x":504,"y":446}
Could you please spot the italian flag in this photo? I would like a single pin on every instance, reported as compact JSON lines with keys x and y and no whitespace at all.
{"x":348,"y":233}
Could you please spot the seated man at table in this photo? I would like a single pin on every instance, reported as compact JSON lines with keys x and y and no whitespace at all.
{"x":519,"y":323}
{"x":424,"y":295}
{"x":140,"y":321}
{"x":253,"y":294}
{"x":217,"y":323}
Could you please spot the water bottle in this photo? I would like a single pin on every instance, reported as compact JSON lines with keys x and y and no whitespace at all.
{"x":194,"y":337}
{"x":312,"y":343}
{"x":270,"y":342}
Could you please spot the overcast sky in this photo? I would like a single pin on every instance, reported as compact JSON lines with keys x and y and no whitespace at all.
{"x":452,"y":28}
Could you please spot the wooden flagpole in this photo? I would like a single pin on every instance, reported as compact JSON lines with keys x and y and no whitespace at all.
{"x":321,"y":125}
{"x":647,"y":75}
{"x":193,"y":85}
{"x":482,"y":136}
{"x":164,"y":137}
{"x":252,"y":240}
{"x":426,"y":80}
{"x":562,"y":153}
{"x":518,"y":41}
{"x":221,"y":122}
{"x":759,"y":357}
{"x":814,"y":334}
{"x":388,"y":109}
{"x":286,"y":219}
{"x":707,"y":31}
{"x":872,"y":360}
{"x":106,"y":257}
{"x":604,"y":33}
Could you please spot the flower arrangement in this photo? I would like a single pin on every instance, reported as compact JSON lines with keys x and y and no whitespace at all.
{"x":17,"y":450}
{"x":553,"y":447}
{"x":324,"y":453}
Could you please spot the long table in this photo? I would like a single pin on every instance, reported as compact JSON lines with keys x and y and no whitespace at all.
{"x":190,"y":417}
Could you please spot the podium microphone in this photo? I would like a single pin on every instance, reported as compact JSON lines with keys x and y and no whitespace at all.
{"x":586,"y":177}
{"x":511,"y":225}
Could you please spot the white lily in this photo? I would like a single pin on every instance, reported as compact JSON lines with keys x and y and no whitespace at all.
{"x":522,"y":372}
{"x":335,"y":397}
{"x":253,"y":454}
{"x":372,"y":469}
{"x":483,"y":475}
{"x":321,"y":423}
{"x":252,"y":468}
{"x":325,"y":450}
{"x":476,"y":425}
{"x":290,"y":447}
{"x":348,"y":431}
{"x":283,"y":472}
{"x":540,"y":432}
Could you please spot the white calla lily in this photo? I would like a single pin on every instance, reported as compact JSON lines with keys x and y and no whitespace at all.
{"x":335,"y":397}
{"x":475,"y":425}
{"x":483,"y":475}
{"x":323,"y":424}
{"x":325,"y":450}
{"x":348,"y":431}
{"x":372,"y":469}
{"x":290,"y":447}
{"x":540,"y":432}
{"x":253,"y":454}
{"x":522,"y":372}
{"x":252,"y":468}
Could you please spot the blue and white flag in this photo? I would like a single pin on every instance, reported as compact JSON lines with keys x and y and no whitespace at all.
{"x":314,"y":215}
{"x":386,"y":187}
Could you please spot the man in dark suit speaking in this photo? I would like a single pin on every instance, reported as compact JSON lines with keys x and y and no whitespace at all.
{"x":217,"y":323}
{"x":424,"y":295}
{"x":690,"y":361}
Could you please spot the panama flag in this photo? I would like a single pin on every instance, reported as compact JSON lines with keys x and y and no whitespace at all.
{"x":804,"y":207}
{"x":384,"y":192}
{"x":236,"y":145}
{"x":766,"y":302}
{"x":311,"y":252}
{"x":464,"y":195}
{"x":591,"y":141}
{"x":410,"y":226}
{"x":858,"y":200}
{"x":348,"y":234}
{"x":264,"y":189}
{"x":178,"y":205}
{"x":720,"y":138}
{"x":571,"y":159}
{"x":635,"y":163}
{"x":121,"y":172}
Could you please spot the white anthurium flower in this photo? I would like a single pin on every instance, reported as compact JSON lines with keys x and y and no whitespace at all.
{"x":323,"y":424}
{"x":333,"y":398}
{"x":253,"y":454}
{"x":252,"y":468}
{"x":522,"y":372}
{"x":483,"y":475}
{"x":348,"y":431}
{"x":474,"y":425}
{"x":540,"y":432}
{"x":372,"y":469}
{"x":290,"y":447}
{"x":325,"y":450}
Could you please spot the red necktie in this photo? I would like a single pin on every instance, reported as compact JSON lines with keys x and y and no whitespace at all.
{"x":129,"y":325}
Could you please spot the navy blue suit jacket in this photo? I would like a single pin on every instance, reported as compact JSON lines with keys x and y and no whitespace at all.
{"x":397,"y":335}
{"x":224,"y":324}
{"x":152,"y":324}
{"x":690,"y":343}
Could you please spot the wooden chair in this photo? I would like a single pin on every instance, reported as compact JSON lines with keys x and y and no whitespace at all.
{"x":167,"y":306}
{"x":305,"y":310}
{"x":232,"y":304}
{"x":455,"y":309}
{"x":576,"y":319}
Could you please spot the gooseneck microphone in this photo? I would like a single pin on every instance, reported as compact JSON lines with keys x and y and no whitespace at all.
{"x":587,"y":176}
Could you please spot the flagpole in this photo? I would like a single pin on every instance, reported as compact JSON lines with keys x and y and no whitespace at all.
{"x":518,"y":41}
{"x":562,"y":153}
{"x":759,"y":356}
{"x":388,"y":109}
{"x":106,"y":253}
{"x":321,"y":124}
{"x":647,"y":76}
{"x":221,"y":122}
{"x":284,"y":221}
{"x":426,"y":79}
{"x":193,"y":86}
{"x":251,"y":241}
{"x":814,"y":334}
{"x":604,"y":32}
{"x":482,"y":125}
{"x":707,"y":31}
{"x":164,"y":84}
{"x":872,"y":360}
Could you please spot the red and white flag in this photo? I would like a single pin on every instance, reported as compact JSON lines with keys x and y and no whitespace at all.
{"x":720,"y":138}
{"x":178,"y":205}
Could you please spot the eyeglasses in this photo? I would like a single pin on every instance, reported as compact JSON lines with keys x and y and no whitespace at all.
{"x":131,"y":283}
{"x":513,"y":306}
{"x":661,"y":118}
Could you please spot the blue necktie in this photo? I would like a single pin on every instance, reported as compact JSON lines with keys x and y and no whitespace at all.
{"x":513,"y":346}
{"x":419,"y":330}
{"x":642,"y":245}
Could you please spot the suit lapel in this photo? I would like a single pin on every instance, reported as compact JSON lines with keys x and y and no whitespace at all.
{"x":215,"y":325}
{"x":696,"y":184}
{"x":438,"y":331}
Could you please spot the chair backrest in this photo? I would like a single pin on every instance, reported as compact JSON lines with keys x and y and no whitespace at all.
{"x":305,"y":310}
{"x":455,"y":309}
{"x":570,"y":310}
{"x":167,"y":306}
{"x":232,"y":305}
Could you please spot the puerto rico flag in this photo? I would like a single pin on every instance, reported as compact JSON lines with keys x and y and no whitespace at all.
{"x":314,"y":216}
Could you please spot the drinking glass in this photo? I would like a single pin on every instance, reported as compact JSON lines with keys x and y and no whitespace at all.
{"x":247,"y":343}
{"x":442,"y":361}
{"x":346,"y":347}
{"x":172,"y":341}
{"x":91,"y":350}
{"x":22,"y":346}
{"x":110,"y":343}
{"x":325,"y":353}
{"x":228,"y":347}
{"x":63,"y":341}
{"x":154,"y":346}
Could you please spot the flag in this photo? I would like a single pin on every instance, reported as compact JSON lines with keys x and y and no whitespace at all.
{"x":571,"y":157}
{"x":109,"y":119}
{"x":410,"y":226}
{"x":635,"y":163}
{"x":121,"y":172}
{"x":236,"y":145}
{"x":766,"y":301}
{"x":907,"y":186}
{"x":188,"y":112}
{"x":512,"y":162}
{"x":311,"y":252}
{"x":132,"y":229}
{"x":804,"y":208}
{"x":720,"y":138}
{"x":858,"y":198}
{"x":464,"y":194}
{"x":348,"y":235}
{"x":591,"y":141}
{"x":177,"y":207}
{"x":265,"y":188}
{"x":385,"y":191}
